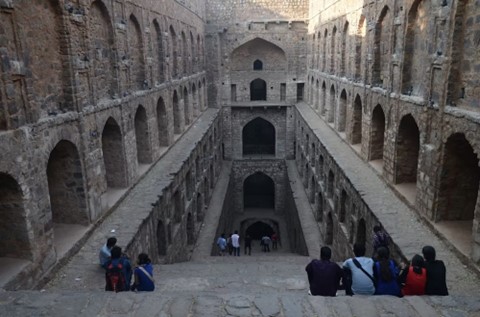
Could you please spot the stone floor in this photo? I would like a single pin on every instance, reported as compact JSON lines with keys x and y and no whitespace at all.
{"x":264,"y":284}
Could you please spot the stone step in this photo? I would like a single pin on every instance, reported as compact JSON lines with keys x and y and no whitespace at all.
{"x":225,"y":302}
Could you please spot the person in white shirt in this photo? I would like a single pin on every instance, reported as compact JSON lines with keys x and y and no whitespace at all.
{"x":236,"y":243}
{"x":362,"y":271}
{"x":105,"y":254}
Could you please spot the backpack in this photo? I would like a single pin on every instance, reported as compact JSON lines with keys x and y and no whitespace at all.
{"x":115,"y":278}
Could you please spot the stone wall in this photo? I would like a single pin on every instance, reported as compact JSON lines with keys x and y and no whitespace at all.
{"x":87,"y":106}
{"x":235,"y":119}
{"x":240,"y":33}
{"x":283,"y":218}
{"x":404,"y":68}
{"x":342,"y":215}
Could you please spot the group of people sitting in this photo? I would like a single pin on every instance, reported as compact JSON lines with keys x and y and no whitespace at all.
{"x":362,"y":275}
{"x":118,"y":269}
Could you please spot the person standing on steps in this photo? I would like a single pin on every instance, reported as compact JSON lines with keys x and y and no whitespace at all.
{"x":236,"y":243}
{"x":274,"y":241}
{"x":248,"y":245}
{"x":266,"y":243}
{"x":222,"y":245}
{"x":229,"y":244}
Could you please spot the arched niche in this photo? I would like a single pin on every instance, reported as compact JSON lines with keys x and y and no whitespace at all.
{"x":259,"y":191}
{"x":272,"y":56}
{"x":258,"y":137}
{"x":258,"y":90}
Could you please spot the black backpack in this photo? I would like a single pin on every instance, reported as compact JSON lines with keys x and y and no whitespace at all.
{"x":115,"y":278}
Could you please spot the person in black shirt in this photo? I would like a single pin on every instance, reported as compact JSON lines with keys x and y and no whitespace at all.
{"x":436,"y":273}
{"x":248,"y":245}
{"x":324,"y":276}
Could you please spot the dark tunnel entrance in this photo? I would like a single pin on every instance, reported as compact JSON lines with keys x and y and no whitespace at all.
{"x":259,"y":229}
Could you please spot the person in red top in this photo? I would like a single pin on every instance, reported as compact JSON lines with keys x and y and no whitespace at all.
{"x":413,"y":277}
{"x":274,"y":241}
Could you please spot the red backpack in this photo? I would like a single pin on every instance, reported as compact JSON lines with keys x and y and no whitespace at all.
{"x":115,"y":278}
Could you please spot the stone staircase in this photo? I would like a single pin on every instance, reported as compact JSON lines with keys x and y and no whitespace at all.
{"x":271,"y":284}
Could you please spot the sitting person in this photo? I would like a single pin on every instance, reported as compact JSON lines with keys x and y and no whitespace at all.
{"x":143,"y":275}
{"x":436,"y":273}
{"x":386,"y":274}
{"x":118,"y":271}
{"x":105,"y":251}
{"x":413,"y":277}
{"x":361,"y":269}
{"x":324,"y":276}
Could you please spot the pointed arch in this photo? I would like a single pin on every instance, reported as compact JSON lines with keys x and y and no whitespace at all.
{"x":66,"y":185}
{"x":361,"y":232}
{"x":114,"y":155}
{"x":258,"y":89}
{"x":177,"y":120}
{"x":359,"y":47}
{"x":259,"y":191}
{"x":417,"y":31}
{"x":377,"y":133}
{"x":357,"y":120}
{"x":135,"y":41}
{"x":162,"y":123}
{"x":258,"y":137}
{"x":381,"y":46}
{"x":407,"y":147}
{"x":174,"y":51}
{"x":186,"y":106}
{"x":344,"y":55}
{"x":329,"y":229}
{"x":15,"y":241}
{"x":342,"y":111}
{"x":159,"y":52}
{"x":323,"y":105}
{"x":332,"y":104}
{"x":184,"y":53}
{"x":142,"y":136}
{"x":161,"y":239}
{"x":459,"y":180}
{"x":333,"y":50}
{"x":190,"y":230}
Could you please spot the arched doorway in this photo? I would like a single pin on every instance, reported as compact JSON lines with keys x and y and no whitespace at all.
{"x":65,"y":185}
{"x":459,"y":180}
{"x":258,"y":90}
{"x":329,"y":229}
{"x":113,"y":155}
{"x":15,"y":242}
{"x":162,"y":123}
{"x":161,"y":239}
{"x":259,"y":229}
{"x":177,"y":121}
{"x":357,"y":121}
{"x":258,"y":191}
{"x":258,"y":137}
{"x":361,"y":232}
{"x":407,"y":151}
{"x":377,"y":134}
{"x":190,"y":230}
{"x":142,"y":136}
